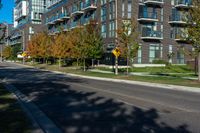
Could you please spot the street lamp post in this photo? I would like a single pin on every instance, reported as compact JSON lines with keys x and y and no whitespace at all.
{"x":1,"y":53}
{"x":23,"y":45}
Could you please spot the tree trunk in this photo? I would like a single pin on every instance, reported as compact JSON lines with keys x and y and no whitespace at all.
{"x":84,"y":67}
{"x":77,"y":64}
{"x":199,"y":66}
{"x":127,"y":65}
{"x":46,"y":61}
{"x":59,"y":62}
{"x":92,"y":63}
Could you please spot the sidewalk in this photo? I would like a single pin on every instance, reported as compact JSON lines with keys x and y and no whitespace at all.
{"x":143,"y":74}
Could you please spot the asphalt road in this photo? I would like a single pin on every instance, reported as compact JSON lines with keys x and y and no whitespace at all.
{"x":90,"y":106}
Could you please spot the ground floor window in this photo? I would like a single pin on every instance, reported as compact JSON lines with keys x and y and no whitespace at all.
{"x":139,"y":55}
{"x":180,"y":57}
{"x":155,"y":52}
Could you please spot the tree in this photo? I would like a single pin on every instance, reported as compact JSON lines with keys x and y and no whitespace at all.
{"x":7,"y":52}
{"x":194,"y":30}
{"x":94,"y":40}
{"x":44,"y":46}
{"x":62,"y":47}
{"x":127,"y":40}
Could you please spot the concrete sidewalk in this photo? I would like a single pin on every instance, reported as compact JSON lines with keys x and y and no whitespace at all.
{"x":145,"y":74}
{"x":164,"y":86}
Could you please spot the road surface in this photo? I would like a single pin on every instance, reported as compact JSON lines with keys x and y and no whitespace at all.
{"x":79,"y":105}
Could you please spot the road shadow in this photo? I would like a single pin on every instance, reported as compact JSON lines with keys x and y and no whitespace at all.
{"x":77,"y":111}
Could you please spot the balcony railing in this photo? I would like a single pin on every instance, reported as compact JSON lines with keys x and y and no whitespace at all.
{"x":151,"y":34}
{"x":180,"y":35}
{"x":178,"y":19}
{"x":148,"y":16}
{"x":156,"y":2}
{"x":76,"y":11}
{"x":58,"y":18}
{"x":89,"y":6}
{"x":183,"y":3}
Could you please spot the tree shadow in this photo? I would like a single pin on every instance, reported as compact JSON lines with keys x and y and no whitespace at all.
{"x":12,"y":118}
{"x":77,"y":111}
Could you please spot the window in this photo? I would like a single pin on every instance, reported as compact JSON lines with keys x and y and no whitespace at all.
{"x":112,"y":10}
{"x":180,"y":57}
{"x":155,"y":52}
{"x":103,"y":30}
{"x":103,"y":13}
{"x":170,"y":53}
{"x":112,"y":29}
{"x":123,"y":8}
{"x":129,"y":8}
{"x":139,"y":55}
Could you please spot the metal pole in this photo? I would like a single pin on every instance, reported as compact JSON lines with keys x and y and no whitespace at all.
{"x":1,"y":53}
{"x":116,"y":65}
{"x":23,"y":45}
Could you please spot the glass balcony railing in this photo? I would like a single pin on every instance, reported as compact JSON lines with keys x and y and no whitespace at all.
{"x":88,"y":6}
{"x":157,"y":2}
{"x":151,"y":34}
{"x":148,"y":16}
{"x":58,"y":18}
{"x":183,"y":3}
{"x":76,"y":11}
{"x":177,"y":18}
{"x":180,"y":35}
{"x":74,"y":25}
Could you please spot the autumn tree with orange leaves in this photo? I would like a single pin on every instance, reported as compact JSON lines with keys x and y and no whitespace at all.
{"x":61,"y":48}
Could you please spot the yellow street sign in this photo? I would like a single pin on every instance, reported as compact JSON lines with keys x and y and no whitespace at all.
{"x":24,"y":54}
{"x":116,"y":52}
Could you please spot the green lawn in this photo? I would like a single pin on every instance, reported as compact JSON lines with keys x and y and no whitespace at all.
{"x":12,"y":118}
{"x":154,"y":70}
{"x":174,"y":79}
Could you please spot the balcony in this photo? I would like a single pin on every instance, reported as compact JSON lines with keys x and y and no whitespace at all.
{"x":178,"y":19}
{"x":76,"y":12}
{"x":148,"y":17}
{"x":154,"y":2}
{"x":149,"y":34}
{"x":51,"y":21}
{"x":20,"y":17}
{"x":180,"y":36}
{"x":89,"y":6}
{"x":66,"y":27}
{"x":183,"y":4}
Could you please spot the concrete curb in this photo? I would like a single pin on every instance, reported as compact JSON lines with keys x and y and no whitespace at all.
{"x":38,"y":118}
{"x":164,"y":86}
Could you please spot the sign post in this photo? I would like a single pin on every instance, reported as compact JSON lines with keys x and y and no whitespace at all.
{"x":117,"y":53}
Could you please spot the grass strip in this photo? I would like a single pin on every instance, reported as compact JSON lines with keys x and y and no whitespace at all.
{"x":12,"y":117}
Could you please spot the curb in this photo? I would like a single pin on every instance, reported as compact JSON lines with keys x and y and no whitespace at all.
{"x":38,"y":118}
{"x":148,"y":84}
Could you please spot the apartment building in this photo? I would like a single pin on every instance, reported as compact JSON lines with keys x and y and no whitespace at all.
{"x":27,"y":17}
{"x":161,"y":24}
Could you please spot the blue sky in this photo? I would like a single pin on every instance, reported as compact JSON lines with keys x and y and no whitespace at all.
{"x":6,"y":11}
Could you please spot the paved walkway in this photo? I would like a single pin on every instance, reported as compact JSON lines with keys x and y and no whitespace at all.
{"x":146,"y":74}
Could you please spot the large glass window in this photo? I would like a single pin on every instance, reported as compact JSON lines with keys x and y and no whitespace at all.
{"x":139,"y":55}
{"x":112,"y":29}
{"x":103,"y":30}
{"x":112,"y":10}
{"x":103,"y":13}
{"x":129,"y":8}
{"x":180,"y":57}
{"x":155,"y":52}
